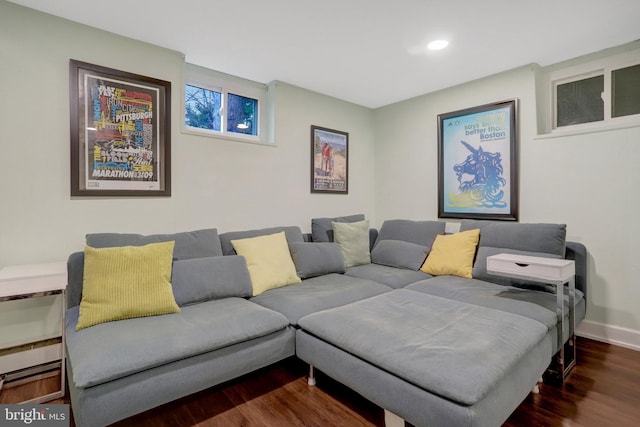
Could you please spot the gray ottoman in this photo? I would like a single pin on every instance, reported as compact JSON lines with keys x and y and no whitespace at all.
{"x":430,"y":360}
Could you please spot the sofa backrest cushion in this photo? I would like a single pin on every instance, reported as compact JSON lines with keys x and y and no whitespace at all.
{"x":316,"y":259}
{"x":202,"y":279}
{"x":419,"y":232}
{"x":322,"y":229}
{"x":190,"y":244}
{"x":400,"y":254}
{"x":535,"y":239}
{"x":546,"y":238}
{"x":405,"y":242}
{"x":292,"y":234}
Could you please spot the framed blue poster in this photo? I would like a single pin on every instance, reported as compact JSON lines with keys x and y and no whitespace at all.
{"x":477,"y":162}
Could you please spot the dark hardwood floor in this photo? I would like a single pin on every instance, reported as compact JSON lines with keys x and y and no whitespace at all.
{"x":602,"y":390}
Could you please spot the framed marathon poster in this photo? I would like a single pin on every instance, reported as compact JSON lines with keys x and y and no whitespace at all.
{"x":120,"y":133}
{"x":477,"y":162}
{"x":329,"y":161}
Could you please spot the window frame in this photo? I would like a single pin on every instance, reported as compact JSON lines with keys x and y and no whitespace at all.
{"x":227,"y":84}
{"x":604,"y":66}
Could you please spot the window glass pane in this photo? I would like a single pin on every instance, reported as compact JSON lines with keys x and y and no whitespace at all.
{"x":202,"y":108}
{"x":242,"y":115}
{"x":625,"y":96}
{"x":580,"y":101}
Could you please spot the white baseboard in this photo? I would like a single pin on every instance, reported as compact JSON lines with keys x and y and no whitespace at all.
{"x":615,"y":335}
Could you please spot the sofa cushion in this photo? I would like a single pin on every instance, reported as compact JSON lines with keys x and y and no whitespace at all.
{"x":315,"y":259}
{"x":268,"y":260}
{"x":201,"y":279}
{"x":114,"y":350}
{"x":353,"y":238}
{"x":318,"y":293}
{"x":418,"y":232}
{"x":322,"y":230}
{"x":292,"y":233}
{"x":125,"y":282}
{"x":398,"y":253}
{"x":452,"y":254}
{"x":445,"y":347}
{"x":191,"y":244}
{"x":390,"y":276}
{"x":536,"y":305}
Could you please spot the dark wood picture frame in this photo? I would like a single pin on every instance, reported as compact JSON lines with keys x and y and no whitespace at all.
{"x":478,"y":162}
{"x":120,"y":132}
{"x":329,"y":161}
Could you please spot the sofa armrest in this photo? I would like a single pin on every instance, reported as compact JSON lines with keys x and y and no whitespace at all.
{"x":75,"y":276}
{"x":578,"y":252}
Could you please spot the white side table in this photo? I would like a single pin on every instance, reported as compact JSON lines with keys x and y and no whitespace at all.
{"x":34,"y":281}
{"x":550,"y":271}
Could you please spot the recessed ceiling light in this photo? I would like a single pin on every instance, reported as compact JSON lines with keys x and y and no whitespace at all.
{"x":437,"y":44}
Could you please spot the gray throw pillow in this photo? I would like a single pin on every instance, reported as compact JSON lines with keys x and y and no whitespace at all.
{"x":316,"y":259}
{"x":322,"y":230}
{"x":353,"y":238}
{"x":202,"y":279}
{"x":191,"y":244}
{"x":398,"y":253}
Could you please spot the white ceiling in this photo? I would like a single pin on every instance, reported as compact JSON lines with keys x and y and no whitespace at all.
{"x":369,"y":52}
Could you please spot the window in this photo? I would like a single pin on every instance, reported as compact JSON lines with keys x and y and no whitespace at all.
{"x":224,"y":106}
{"x":596,"y":93}
{"x":580,"y":101}
{"x":243,"y":114}
{"x":202,"y":108}
{"x":625,"y":91}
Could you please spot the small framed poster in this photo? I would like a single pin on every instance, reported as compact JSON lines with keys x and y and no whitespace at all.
{"x":329,"y":161}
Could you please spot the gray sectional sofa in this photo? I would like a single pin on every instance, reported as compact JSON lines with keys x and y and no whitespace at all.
{"x":442,"y":350}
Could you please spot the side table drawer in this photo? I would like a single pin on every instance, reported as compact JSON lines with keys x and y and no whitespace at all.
{"x":534,"y":268}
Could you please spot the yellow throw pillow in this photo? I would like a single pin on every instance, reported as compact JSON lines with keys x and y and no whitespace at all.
{"x":268,"y":260}
{"x":125,"y":282}
{"x":452,"y":254}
